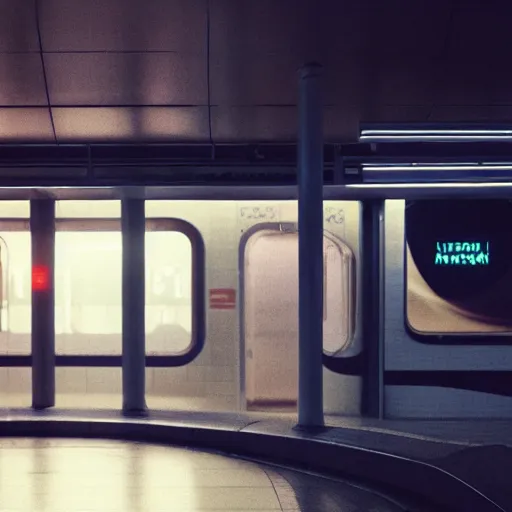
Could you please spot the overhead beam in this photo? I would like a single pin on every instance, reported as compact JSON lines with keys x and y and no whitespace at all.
{"x":259,"y":156}
{"x":268,"y":193}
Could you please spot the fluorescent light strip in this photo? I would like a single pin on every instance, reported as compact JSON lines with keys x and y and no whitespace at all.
{"x":435,"y":134}
{"x":469,"y":167}
{"x":419,"y":138}
{"x":383,"y":186}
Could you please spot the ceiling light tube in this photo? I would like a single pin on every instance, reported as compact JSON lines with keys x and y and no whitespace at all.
{"x":434,"y":134}
{"x":436,"y":168}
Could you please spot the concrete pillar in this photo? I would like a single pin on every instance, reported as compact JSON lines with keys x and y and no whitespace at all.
{"x":133,"y":227}
{"x":372,"y":240}
{"x":42,"y":231}
{"x":310,"y":177}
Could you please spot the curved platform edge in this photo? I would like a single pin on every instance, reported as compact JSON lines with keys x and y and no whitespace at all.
{"x":421,"y":479}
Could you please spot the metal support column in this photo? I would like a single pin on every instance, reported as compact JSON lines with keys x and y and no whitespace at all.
{"x":310,"y":161}
{"x":373,"y":305}
{"x":133,"y":227}
{"x":42,"y":230}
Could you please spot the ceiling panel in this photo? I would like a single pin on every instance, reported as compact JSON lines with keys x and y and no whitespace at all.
{"x":372,"y":51}
{"x":347,"y":79}
{"x":267,"y":124}
{"x":340,"y":123}
{"x":22,"y":80}
{"x":262,"y":124}
{"x":474,"y":68}
{"x":398,"y":114}
{"x":475,"y":81}
{"x":393,"y":61}
{"x":18,"y":29}
{"x":25,"y":125}
{"x":397,"y":81}
{"x":405,"y":28}
{"x":343,"y":123}
{"x":471,"y":114}
{"x":265,"y":26}
{"x":124,"y":25}
{"x":259,"y":80}
{"x":126,"y":79}
{"x":316,"y":29}
{"x":137,"y":124}
{"x":481,"y":29}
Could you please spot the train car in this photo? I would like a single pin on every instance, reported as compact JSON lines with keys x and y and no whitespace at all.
{"x":250,"y":355}
{"x":446,"y":353}
{"x":447,"y":315}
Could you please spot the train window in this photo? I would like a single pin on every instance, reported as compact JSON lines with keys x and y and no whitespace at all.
{"x":88,"y":305}
{"x":88,"y":302}
{"x":459,"y":267}
{"x":88,"y":312}
{"x":168,"y":293}
{"x":339,"y":295}
{"x":15,"y":258}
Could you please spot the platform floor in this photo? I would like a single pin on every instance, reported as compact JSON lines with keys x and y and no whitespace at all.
{"x":465,"y":432}
{"x":66,"y":475}
{"x":477,"y":451}
{"x":113,"y":401}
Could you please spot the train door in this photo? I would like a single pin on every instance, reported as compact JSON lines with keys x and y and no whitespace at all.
{"x":269,"y":311}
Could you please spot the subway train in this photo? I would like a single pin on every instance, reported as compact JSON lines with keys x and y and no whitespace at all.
{"x":446,"y":322}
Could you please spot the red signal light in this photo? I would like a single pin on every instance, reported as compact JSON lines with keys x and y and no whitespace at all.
{"x":40,"y":278}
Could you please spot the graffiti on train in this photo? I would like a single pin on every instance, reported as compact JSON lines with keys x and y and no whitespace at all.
{"x":334,"y":215}
{"x":258,"y":213}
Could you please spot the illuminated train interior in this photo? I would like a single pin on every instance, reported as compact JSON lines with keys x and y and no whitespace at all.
{"x":446,"y":329}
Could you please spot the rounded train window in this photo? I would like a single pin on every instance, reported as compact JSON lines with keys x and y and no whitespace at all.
{"x":459,"y":266}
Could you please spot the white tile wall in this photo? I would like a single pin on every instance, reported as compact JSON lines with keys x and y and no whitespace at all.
{"x":16,"y":343}
{"x":221,"y":238}
{"x":195,"y":212}
{"x":71,"y":380}
{"x":210,"y":374}
{"x":15,"y":209}
{"x":196,"y":373}
{"x":205,"y":357}
{"x":150,"y":379}
{"x":221,"y":389}
{"x":88,"y":209}
{"x":163,"y":377}
{"x":104,"y":380}
{"x":4,"y":380}
{"x":20,"y":380}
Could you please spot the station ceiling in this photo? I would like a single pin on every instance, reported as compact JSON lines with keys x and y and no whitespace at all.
{"x":226,"y":70}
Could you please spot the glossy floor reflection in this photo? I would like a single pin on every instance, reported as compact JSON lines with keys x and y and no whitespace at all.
{"x":94,"y":475}
{"x":113,"y":401}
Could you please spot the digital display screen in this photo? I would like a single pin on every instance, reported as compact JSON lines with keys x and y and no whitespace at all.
{"x":462,"y":253}
{"x":459,"y":265}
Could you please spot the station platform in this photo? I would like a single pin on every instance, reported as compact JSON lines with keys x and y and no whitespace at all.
{"x":68,"y":475}
{"x":453,"y":465}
